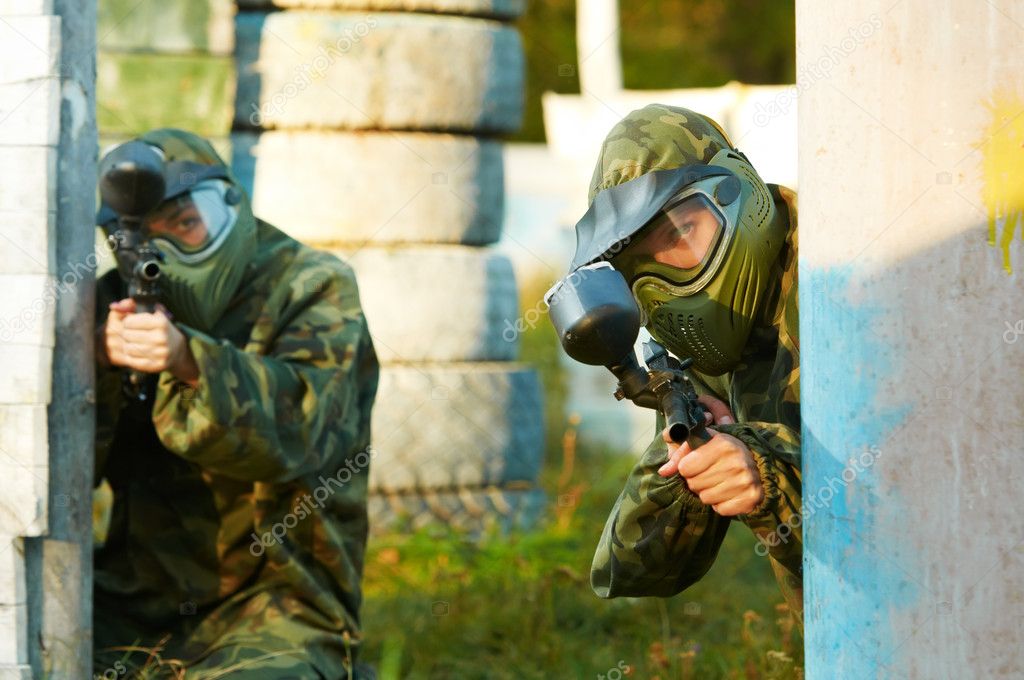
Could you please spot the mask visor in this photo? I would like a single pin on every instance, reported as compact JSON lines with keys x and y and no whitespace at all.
{"x":678,"y":243}
{"x":194,"y":224}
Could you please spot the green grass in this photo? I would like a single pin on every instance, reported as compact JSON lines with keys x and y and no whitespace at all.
{"x":443,"y":605}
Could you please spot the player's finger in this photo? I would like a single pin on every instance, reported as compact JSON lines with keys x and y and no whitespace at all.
{"x":719,"y":494}
{"x":720,"y":413}
{"x":145,"y":321}
{"x":699,"y":460}
{"x":116,"y":354}
{"x":740,"y":505}
{"x":708,"y":479}
{"x":143,"y":337}
{"x":125,"y":306}
{"x":671,"y":466}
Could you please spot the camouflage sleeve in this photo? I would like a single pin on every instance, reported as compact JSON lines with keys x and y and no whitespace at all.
{"x":289,"y":408}
{"x":659,"y":538}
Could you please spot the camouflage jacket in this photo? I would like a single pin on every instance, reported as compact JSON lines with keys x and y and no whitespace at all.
{"x":252,"y":486}
{"x":659,"y":538}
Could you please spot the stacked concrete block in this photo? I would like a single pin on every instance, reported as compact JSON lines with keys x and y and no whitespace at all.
{"x":368,"y":128}
{"x":47,"y":140}
{"x":29,"y":134}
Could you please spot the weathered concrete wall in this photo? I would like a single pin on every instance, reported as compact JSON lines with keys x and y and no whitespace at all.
{"x":912,"y":318}
{"x":30,"y":106}
{"x":47,"y":163}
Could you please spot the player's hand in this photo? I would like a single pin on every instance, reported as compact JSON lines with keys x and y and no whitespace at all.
{"x":147,"y":342}
{"x":722,"y":471}
{"x":717,"y":413}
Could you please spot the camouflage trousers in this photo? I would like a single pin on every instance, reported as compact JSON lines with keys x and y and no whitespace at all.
{"x":255,"y":639}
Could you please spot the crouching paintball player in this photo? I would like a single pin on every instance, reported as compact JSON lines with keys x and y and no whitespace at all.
{"x":709,"y":253}
{"x":235,"y":378}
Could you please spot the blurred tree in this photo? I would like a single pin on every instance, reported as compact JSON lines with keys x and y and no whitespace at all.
{"x":665,"y":44}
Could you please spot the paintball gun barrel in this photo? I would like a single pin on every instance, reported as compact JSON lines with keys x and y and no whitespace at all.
{"x":598,"y":321}
{"x":131,"y":182}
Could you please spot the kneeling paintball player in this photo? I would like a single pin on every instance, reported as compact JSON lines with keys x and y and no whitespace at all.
{"x":236,"y":545}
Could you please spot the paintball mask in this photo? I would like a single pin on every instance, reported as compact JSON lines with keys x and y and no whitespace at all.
{"x":695,"y":244}
{"x":202,"y":228}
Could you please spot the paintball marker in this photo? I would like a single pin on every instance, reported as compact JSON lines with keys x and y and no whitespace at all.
{"x":131,"y":183}
{"x":598,"y":321}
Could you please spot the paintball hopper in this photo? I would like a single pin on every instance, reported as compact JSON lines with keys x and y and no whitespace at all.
{"x":595,"y":315}
{"x":132,"y":180}
{"x":131,"y":184}
{"x":598,"y":321}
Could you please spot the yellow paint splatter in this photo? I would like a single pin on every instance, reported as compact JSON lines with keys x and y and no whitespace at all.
{"x":1003,"y":170}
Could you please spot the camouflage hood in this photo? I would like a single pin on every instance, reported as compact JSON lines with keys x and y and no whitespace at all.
{"x":181,"y":146}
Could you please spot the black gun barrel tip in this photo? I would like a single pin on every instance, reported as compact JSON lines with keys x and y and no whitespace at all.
{"x":678,"y":433}
{"x":150,"y":270}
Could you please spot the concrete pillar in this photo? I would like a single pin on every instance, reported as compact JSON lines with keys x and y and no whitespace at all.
{"x":598,"y":48}
{"x":911,"y":161}
{"x":47,"y":186}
